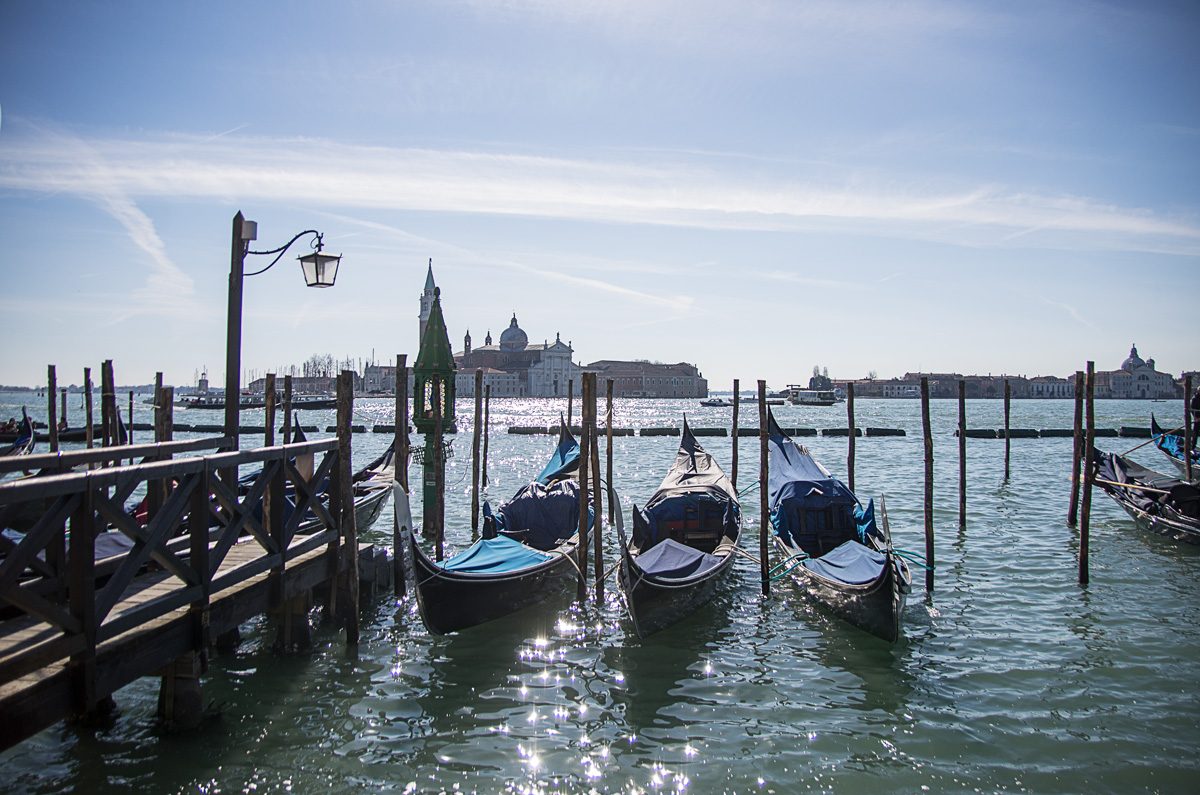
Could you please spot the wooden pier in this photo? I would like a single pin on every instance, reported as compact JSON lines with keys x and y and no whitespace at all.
{"x":76,"y":626}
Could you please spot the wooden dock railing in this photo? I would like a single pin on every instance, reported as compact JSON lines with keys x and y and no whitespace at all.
{"x":74,"y":627}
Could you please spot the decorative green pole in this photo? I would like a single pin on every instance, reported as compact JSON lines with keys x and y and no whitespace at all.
{"x":433,"y":377}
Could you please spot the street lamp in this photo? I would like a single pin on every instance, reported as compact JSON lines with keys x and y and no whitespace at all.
{"x":319,"y":269}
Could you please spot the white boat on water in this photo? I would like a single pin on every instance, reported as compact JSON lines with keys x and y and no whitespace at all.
{"x":716,"y":401}
{"x":811,"y":397}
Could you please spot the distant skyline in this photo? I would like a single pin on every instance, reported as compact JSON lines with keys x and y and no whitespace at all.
{"x":756,"y":187}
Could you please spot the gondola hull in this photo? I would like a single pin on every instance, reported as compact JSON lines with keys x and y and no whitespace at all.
{"x":656,"y":603}
{"x":451,"y":601}
{"x":1176,"y":531}
{"x":875,"y":607}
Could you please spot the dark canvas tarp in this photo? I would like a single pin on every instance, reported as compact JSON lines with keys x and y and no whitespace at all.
{"x":541,"y":516}
{"x":1170,"y":492}
{"x":695,"y":495}
{"x":671,"y":559}
{"x":808,"y":505}
{"x":564,"y":461}
{"x":850,"y":563}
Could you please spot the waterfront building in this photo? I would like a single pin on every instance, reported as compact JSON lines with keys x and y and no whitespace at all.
{"x":1137,"y":378}
{"x":643,"y":379}
{"x":515,"y":368}
{"x":1051,"y":386}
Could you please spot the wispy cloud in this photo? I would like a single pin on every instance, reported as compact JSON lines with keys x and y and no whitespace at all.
{"x":1071,"y":311}
{"x":167,"y":289}
{"x":685,"y":192}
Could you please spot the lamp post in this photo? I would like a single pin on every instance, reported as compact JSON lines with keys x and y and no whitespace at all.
{"x":319,"y":269}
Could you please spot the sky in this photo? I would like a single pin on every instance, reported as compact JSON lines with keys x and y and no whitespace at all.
{"x":754,"y":187}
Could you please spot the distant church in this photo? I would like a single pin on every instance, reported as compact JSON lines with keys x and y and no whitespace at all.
{"x":1136,"y":378}
{"x":514,"y":368}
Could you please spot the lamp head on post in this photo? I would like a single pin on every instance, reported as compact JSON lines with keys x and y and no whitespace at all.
{"x":320,"y":269}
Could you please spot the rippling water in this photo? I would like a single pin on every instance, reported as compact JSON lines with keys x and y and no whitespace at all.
{"x":1011,"y":677}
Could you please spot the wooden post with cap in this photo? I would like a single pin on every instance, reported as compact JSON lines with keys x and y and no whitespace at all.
{"x":928,"y":435}
{"x":1089,"y":474}
{"x":763,"y":512}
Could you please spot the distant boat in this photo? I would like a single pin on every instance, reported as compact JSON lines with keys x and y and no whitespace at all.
{"x":770,"y":401}
{"x":717,"y":402}
{"x":811,"y":397}
{"x":309,"y":403}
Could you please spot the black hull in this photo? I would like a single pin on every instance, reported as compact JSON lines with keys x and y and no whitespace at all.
{"x":1174,"y":530}
{"x":876,"y":607}
{"x":655,"y":604}
{"x":452,"y":601}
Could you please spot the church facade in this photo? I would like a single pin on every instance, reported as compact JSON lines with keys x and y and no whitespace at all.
{"x":1136,"y":379}
{"x":515,"y":368}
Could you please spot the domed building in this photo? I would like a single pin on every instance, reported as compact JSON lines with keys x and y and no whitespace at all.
{"x":514,"y":368}
{"x":1136,"y":379}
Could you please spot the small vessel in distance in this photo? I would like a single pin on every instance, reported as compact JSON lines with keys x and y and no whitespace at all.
{"x":302,"y":402}
{"x":811,"y":397}
{"x":716,"y":401}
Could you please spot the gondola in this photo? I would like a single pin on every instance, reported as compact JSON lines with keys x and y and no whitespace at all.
{"x":526,"y":555}
{"x":26,"y":438}
{"x":1160,"y":503}
{"x":1172,"y":444}
{"x":833,"y":547}
{"x":684,"y":540}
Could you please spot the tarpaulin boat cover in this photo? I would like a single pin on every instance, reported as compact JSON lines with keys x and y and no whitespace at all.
{"x":540,"y":516}
{"x":850,"y":563}
{"x":695,"y":487}
{"x":809,"y":506}
{"x":670,"y":559}
{"x":495,"y":556}
{"x":1171,"y":443}
{"x":565,"y":459}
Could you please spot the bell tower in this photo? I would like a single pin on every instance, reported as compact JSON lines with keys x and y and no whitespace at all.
{"x":426,"y":302}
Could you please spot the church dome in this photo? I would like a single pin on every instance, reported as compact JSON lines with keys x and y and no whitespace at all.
{"x":1134,"y":361}
{"x":513,"y":338}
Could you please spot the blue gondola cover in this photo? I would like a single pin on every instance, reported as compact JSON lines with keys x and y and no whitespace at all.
{"x":671,"y":559}
{"x":850,"y":563}
{"x":495,"y":556}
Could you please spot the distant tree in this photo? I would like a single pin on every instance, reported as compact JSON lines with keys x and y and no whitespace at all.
{"x":872,"y":375}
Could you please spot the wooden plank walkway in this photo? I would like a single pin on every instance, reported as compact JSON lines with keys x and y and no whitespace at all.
{"x":39,"y":698}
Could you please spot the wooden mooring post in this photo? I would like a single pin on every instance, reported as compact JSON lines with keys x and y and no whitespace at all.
{"x":585,"y":455}
{"x":88,"y":432}
{"x":734,"y":430}
{"x":608,"y":449}
{"x":1077,"y":453}
{"x":1007,"y":428}
{"x":1189,"y":430}
{"x":64,"y":406}
{"x":928,"y":436}
{"x":570,"y":400}
{"x":850,"y":441}
{"x":52,"y":406}
{"x":348,"y":526}
{"x":400,"y":462}
{"x":269,"y":412}
{"x":475,"y":452}
{"x":590,"y":407}
{"x":487,"y":411}
{"x":962,"y":453}
{"x":287,"y":409}
{"x":763,"y":510}
{"x":129,"y":429}
{"x":1089,"y":473}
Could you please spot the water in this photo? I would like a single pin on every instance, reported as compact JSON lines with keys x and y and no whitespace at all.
{"x":1010,"y":677}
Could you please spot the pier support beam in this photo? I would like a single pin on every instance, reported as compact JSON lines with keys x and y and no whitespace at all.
{"x":181,"y":697}
{"x":294,"y":631}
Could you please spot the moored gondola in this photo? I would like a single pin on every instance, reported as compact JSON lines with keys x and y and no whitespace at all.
{"x":1172,"y":446}
{"x":683,"y":542}
{"x":1162,"y":504}
{"x":526,"y":555}
{"x":832,"y":546}
{"x":26,"y":438}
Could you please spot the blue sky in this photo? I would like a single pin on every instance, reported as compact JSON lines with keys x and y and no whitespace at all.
{"x":755,"y":187}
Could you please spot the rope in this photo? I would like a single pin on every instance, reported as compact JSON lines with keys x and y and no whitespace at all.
{"x":748,"y":489}
{"x":915,"y":558}
{"x":1154,"y":437}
